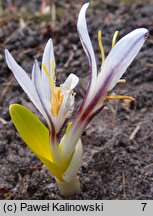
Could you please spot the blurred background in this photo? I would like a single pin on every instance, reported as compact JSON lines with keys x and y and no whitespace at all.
{"x":37,"y":4}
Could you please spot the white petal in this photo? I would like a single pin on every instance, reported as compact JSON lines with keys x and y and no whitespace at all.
{"x":75,"y":163}
{"x":71,"y":82}
{"x":48,"y":56}
{"x":22,"y":78}
{"x":86,"y":43}
{"x":121,"y":57}
{"x":70,"y":139}
{"x":67,"y":105}
{"x":37,"y":82}
{"x":66,"y":109}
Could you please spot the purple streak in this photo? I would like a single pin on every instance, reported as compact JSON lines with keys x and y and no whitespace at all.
{"x":103,"y":89}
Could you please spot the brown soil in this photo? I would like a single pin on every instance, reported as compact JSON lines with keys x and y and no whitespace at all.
{"x":116,"y":163}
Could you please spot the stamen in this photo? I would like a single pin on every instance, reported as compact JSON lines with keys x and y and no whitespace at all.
{"x":119,"y":97}
{"x":70,"y":90}
{"x":101,"y":47}
{"x":47,"y":74}
{"x":114,"y":38}
{"x":50,"y":78}
{"x":57,"y":97}
{"x":68,"y":127}
{"x":122,"y":81}
{"x":52,"y":72}
{"x":45,"y":70}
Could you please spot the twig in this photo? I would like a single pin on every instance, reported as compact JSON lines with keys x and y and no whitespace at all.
{"x":149,"y":65}
{"x":135,"y":131}
{"x":30,"y":50}
{"x":24,"y":52}
{"x":66,"y":65}
{"x":53,"y":13}
{"x":9,"y":38}
{"x":3,"y":121}
{"x":123,"y":184}
{"x":22,"y":25}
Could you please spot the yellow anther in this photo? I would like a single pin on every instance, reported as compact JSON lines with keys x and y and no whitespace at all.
{"x":68,"y":127}
{"x":119,"y":97}
{"x":101,"y":47}
{"x":114,"y":38}
{"x":52,"y":72}
{"x":56,"y":101}
{"x":45,"y":70}
{"x":48,"y":75}
{"x":57,"y":97}
{"x":70,"y":90}
{"x":122,"y":81}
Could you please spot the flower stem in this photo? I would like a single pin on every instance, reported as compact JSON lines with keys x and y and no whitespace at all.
{"x":70,"y":188}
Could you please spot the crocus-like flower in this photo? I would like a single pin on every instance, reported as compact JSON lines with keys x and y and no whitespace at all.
{"x":102,"y":82}
{"x":63,"y":157}
{"x":55,"y":103}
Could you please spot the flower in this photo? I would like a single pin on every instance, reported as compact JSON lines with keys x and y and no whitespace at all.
{"x":101,"y":83}
{"x":63,"y":158}
{"x":55,"y":103}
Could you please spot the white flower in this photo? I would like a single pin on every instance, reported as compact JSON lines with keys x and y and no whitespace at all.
{"x":55,"y":103}
{"x":63,"y":158}
{"x":112,"y":68}
{"x":116,"y":63}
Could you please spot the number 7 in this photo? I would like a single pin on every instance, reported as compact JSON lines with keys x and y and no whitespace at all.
{"x":144,"y":205}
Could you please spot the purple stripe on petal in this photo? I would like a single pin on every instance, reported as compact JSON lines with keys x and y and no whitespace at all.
{"x":103,"y":89}
{"x":93,"y":115}
{"x":62,"y":127}
{"x":97,"y":97}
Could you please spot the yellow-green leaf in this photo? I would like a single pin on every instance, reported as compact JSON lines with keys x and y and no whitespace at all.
{"x":36,"y":136}
{"x":32,"y":130}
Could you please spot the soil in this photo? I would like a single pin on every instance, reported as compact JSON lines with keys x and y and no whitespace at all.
{"x":118,"y":143}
